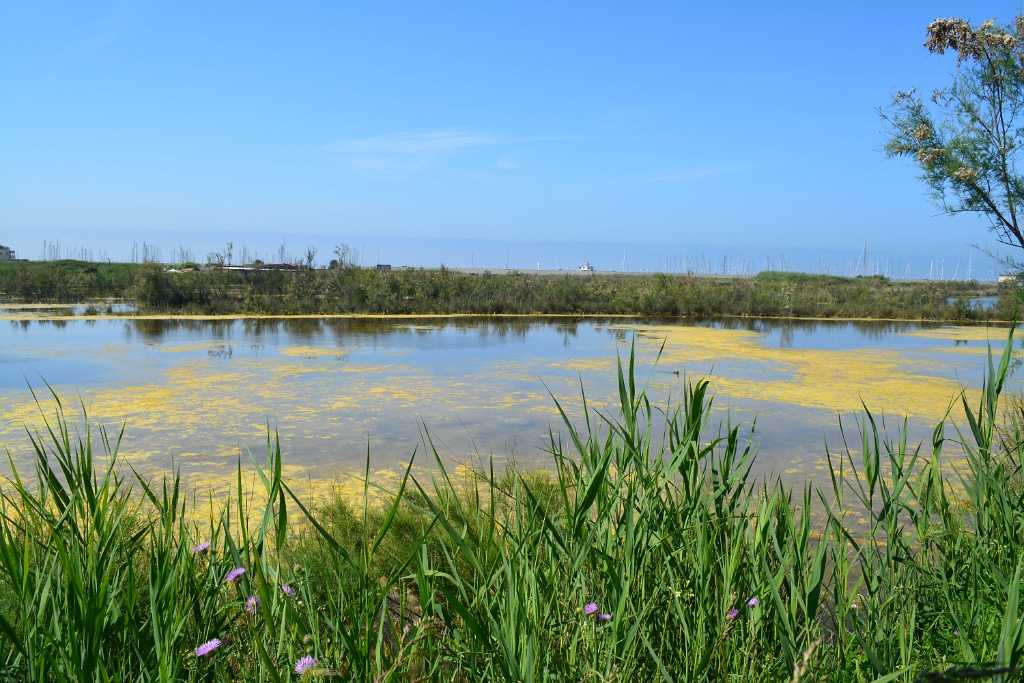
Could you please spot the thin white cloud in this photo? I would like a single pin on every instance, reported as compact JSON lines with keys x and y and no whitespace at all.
{"x":399,"y":154}
{"x":402,"y":153}
{"x":414,"y":143}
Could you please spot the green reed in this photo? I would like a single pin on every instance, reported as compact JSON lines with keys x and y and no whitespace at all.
{"x":647,"y":551}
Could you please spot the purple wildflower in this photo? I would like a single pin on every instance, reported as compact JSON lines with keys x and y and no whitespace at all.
{"x":234,"y":575}
{"x":252,"y":603}
{"x":753,"y":602}
{"x":732,"y":614}
{"x":604,"y":616}
{"x":208,"y":647}
{"x":305,"y":664}
{"x":200,"y":548}
{"x":288,"y":590}
{"x":590,"y":608}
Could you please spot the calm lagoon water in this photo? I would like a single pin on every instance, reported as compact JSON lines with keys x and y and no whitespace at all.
{"x":200,"y":393}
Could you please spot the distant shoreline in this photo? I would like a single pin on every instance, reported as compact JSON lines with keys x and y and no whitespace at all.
{"x":159,"y":291}
{"x":481,"y":316}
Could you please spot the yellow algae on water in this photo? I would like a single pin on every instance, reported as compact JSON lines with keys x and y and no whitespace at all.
{"x":312,"y":352}
{"x":371,"y":369}
{"x":284,"y":371}
{"x":196,"y":376}
{"x":603,"y":363}
{"x":188,"y":347}
{"x":342,"y":403}
{"x":518,"y":399}
{"x":962,"y":333}
{"x":963,"y":349}
{"x":214,"y":410}
{"x":829,"y":379}
{"x":287,"y":369}
{"x":839,"y":382}
{"x":392,"y":393}
{"x":187,"y":400}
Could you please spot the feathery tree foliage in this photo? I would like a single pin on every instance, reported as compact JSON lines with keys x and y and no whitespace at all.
{"x":967,"y":138}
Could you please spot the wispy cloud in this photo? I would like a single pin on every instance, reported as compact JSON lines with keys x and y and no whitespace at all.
{"x":401,"y":153}
{"x":414,"y":143}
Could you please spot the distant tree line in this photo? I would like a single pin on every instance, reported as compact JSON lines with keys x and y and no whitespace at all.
{"x":66,"y":280}
{"x":364,"y":290}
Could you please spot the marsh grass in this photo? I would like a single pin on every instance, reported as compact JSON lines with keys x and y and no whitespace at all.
{"x":697,"y":570}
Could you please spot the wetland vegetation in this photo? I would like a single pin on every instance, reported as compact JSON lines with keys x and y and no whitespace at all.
{"x":652,"y":542}
{"x":442,"y":291}
{"x":647,"y":551}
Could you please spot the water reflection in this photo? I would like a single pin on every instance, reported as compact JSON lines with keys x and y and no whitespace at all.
{"x":785,"y":331}
{"x":201,"y":390}
{"x":155,"y":330}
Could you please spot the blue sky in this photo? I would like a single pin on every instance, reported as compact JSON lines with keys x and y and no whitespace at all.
{"x":752,"y":125}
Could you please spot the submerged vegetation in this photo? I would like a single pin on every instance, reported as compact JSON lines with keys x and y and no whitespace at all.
{"x":646,"y":552}
{"x":363,"y":290}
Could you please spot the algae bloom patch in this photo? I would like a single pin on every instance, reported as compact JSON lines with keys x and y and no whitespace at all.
{"x":333,"y":387}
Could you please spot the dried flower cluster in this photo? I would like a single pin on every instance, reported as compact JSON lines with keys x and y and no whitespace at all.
{"x":929,"y":156}
{"x":965,"y":174}
{"x":969,"y":43}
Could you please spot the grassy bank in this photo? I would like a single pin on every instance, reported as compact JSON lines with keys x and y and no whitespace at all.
{"x":641,"y":557}
{"x":360,"y":290}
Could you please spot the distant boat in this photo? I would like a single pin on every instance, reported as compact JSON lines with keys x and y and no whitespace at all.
{"x":586,"y":267}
